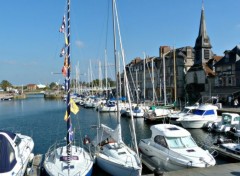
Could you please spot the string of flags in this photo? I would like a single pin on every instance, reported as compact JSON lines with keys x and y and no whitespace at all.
{"x":62,"y":29}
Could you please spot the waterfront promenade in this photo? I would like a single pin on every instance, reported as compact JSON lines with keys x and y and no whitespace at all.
{"x":232,"y":169}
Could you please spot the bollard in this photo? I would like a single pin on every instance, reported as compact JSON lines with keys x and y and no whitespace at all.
{"x":158,"y":172}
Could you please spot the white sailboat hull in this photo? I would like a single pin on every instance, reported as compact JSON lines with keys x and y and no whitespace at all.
{"x":56,"y":164}
{"x":116,"y":169}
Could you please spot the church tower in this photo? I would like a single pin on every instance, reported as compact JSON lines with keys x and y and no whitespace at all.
{"x":202,"y":46}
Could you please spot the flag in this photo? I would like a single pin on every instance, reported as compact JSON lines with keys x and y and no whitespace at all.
{"x":66,"y":116}
{"x":66,"y":39}
{"x":62,"y":52}
{"x":71,"y":134}
{"x":73,"y":107}
{"x":62,"y":28}
{"x":64,"y":71}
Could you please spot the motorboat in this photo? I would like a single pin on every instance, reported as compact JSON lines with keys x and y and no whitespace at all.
{"x":109,"y":106}
{"x":113,"y":155}
{"x":15,"y":153}
{"x":200,"y":117}
{"x":136,"y":111}
{"x":228,"y":120}
{"x":173,"y":117}
{"x":171,"y":147}
{"x":157,"y":114}
{"x":227,"y":148}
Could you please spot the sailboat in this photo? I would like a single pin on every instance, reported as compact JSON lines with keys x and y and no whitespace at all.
{"x":112,"y":154}
{"x":67,"y":158}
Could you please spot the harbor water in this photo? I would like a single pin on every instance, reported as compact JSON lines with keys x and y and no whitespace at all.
{"x":43,"y":120}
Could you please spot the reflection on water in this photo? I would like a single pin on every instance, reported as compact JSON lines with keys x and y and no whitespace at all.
{"x":43,"y":120}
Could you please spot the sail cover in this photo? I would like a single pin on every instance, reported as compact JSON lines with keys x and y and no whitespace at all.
{"x":105,"y":132}
{"x":7,"y":154}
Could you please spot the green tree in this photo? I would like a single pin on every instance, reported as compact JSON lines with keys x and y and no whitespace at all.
{"x":52,"y":85}
{"x":5,"y":84}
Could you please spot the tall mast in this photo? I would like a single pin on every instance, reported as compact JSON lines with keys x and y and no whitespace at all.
{"x":115,"y":59}
{"x":175,"y":75}
{"x":68,"y":82}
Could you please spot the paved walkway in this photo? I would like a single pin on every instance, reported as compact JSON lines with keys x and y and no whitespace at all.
{"x":232,"y":169}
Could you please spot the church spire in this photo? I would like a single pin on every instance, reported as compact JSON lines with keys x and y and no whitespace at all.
{"x":202,"y":45}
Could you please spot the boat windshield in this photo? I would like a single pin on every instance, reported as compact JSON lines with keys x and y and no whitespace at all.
{"x":203,"y":112}
{"x":185,"y":110}
{"x":226,"y":119}
{"x":180,"y":142}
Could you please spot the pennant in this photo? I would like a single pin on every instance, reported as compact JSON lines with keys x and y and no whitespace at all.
{"x":66,"y":61}
{"x":62,"y":52}
{"x":73,"y":107}
{"x":66,"y":116}
{"x":71,"y":134}
{"x":62,"y":28}
{"x":64,"y":71}
{"x":66,"y":39}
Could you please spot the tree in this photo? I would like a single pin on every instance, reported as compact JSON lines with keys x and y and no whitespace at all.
{"x":5,"y":84}
{"x":52,"y":85}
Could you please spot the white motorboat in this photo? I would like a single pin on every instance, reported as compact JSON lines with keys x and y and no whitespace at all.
{"x":173,"y":117}
{"x":15,"y":153}
{"x":157,"y":114}
{"x":227,"y":148}
{"x":109,"y":106}
{"x":136,"y":111}
{"x":172,"y":148}
{"x":228,"y":120}
{"x":200,"y":117}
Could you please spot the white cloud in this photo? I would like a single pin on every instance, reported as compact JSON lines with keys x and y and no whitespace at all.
{"x":79,"y":44}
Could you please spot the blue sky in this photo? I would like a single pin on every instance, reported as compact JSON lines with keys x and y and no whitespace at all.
{"x":30,"y":41}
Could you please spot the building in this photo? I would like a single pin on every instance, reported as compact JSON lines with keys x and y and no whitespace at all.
{"x":200,"y":77}
{"x":227,"y":80}
{"x":31,"y":87}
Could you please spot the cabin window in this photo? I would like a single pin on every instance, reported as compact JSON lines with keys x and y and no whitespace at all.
{"x":161,"y":141}
{"x":180,"y":142}
{"x":237,"y":119}
{"x":226,"y":119}
{"x":17,"y":140}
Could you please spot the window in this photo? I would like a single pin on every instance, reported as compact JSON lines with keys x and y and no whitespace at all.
{"x":206,"y":54}
{"x":181,"y":142}
{"x":161,"y":141}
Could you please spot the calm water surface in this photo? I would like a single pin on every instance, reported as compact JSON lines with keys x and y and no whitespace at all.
{"x":43,"y":120}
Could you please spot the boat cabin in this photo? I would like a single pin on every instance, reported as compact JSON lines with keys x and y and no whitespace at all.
{"x":171,"y":136}
{"x":230,"y":118}
{"x":7,"y":153}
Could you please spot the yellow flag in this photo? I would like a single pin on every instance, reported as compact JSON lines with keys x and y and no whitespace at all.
{"x":66,"y":116}
{"x":66,"y":39}
{"x":73,"y":107}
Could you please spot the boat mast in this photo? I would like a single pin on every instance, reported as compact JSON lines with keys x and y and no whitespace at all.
{"x":115,"y":60}
{"x":127,"y":83}
{"x":68,"y":83}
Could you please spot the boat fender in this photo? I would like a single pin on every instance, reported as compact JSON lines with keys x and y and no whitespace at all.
{"x":158,"y":171}
{"x":86,"y":140}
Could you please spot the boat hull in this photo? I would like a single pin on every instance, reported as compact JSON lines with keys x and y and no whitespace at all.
{"x":116,"y":169}
{"x":55,"y":162}
{"x":194,"y":124}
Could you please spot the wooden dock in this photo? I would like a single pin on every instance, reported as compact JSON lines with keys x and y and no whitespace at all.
{"x":232,"y":169}
{"x":36,"y":165}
